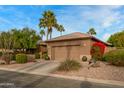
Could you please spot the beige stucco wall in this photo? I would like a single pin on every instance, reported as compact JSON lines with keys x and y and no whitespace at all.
{"x":83,"y":47}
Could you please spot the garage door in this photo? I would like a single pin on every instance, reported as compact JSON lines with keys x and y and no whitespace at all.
{"x":59,"y":53}
{"x":62,"y":53}
{"x":75,"y":52}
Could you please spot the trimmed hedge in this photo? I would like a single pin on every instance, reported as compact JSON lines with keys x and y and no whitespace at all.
{"x":21,"y":58}
{"x":115,"y":57}
{"x":69,"y":65}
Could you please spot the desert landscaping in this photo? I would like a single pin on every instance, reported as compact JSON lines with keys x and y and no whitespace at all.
{"x":105,"y":72}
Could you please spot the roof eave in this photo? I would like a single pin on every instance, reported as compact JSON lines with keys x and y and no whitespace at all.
{"x":65,"y":39}
{"x":101,"y":41}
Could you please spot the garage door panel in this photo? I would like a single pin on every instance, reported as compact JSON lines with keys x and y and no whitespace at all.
{"x":75,"y":52}
{"x":60,"y":53}
{"x":64,"y":52}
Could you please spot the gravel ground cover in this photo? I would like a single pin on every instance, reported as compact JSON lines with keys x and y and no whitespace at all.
{"x":105,"y":71}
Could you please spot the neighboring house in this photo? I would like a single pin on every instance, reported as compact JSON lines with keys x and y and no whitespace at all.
{"x":41,"y":46}
{"x":73,"y":46}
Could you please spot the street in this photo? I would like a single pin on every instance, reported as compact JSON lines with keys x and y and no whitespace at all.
{"x":9,"y":79}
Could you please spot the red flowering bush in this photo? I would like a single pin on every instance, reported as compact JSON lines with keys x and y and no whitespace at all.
{"x":97,"y":50}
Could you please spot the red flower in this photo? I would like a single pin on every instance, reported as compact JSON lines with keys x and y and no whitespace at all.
{"x":100,"y":45}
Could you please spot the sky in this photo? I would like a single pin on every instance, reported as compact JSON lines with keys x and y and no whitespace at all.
{"x":106,"y":20}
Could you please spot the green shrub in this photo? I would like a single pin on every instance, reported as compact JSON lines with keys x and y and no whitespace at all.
{"x":45,"y":56}
{"x":13,"y":57}
{"x":37,"y":56}
{"x":69,"y":65}
{"x":84,"y":58}
{"x":1,"y":54}
{"x":96,"y":53}
{"x":115,"y":57}
{"x":21,"y":58}
{"x":7,"y":58}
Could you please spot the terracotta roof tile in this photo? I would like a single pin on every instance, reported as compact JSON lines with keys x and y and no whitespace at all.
{"x":71,"y":36}
{"x":75,"y":35}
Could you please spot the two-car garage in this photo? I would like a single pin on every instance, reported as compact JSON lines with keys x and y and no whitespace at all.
{"x":65,"y":52}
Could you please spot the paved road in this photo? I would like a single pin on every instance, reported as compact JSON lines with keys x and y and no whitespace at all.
{"x":22,"y":80}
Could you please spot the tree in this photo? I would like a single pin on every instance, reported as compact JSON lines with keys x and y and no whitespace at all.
{"x":19,"y":39}
{"x":28,"y":38}
{"x":60,"y":28}
{"x":117,"y":39}
{"x":42,"y":33}
{"x":6,"y":44}
{"x":92,"y":31}
{"x":16,"y":35}
{"x":6,"y":41}
{"x":48,"y":21}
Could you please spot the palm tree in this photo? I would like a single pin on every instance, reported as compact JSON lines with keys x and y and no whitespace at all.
{"x":92,"y":31}
{"x":42,"y":33}
{"x":61,"y":29}
{"x":48,"y":21}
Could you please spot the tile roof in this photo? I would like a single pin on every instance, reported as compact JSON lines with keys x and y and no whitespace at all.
{"x":75,"y":35}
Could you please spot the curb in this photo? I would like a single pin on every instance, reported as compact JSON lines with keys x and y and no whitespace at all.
{"x":110,"y":82}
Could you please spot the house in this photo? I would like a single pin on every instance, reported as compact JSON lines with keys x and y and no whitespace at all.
{"x":41,"y":46}
{"x":73,"y":46}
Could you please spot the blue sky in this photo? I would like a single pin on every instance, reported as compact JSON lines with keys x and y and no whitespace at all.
{"x":105,"y":19}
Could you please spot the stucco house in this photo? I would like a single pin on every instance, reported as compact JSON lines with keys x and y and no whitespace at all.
{"x":73,"y":46}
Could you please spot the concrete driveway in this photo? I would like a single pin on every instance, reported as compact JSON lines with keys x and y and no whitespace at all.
{"x":37,"y":67}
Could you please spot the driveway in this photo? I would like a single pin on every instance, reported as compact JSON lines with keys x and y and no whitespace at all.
{"x":22,"y":80}
{"x":43,"y":67}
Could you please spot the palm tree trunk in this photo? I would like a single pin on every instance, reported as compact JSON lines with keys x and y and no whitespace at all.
{"x":50,"y":34}
{"x":47,"y":36}
{"x":61,"y":33}
{"x":42,"y":37}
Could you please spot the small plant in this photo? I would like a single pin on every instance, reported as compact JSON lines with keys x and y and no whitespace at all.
{"x":13,"y":56}
{"x":37,"y":56}
{"x":1,"y":54}
{"x":21,"y":58}
{"x":84,"y":58}
{"x":45,"y":56}
{"x":69,"y":65}
{"x":7,"y":58}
